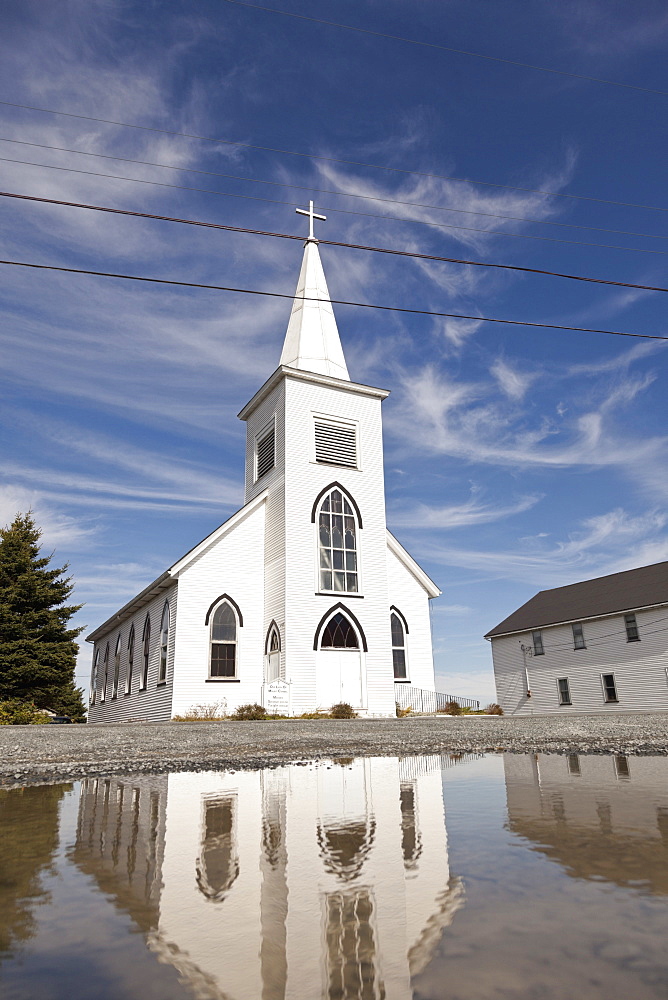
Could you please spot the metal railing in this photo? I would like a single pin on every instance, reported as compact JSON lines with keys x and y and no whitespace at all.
{"x":422,"y":700}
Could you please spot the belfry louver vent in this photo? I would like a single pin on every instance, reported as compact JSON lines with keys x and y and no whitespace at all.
{"x":335,"y":444}
{"x":265,"y":453}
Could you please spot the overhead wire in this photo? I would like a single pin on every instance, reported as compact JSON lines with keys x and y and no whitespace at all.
{"x":436,"y":258}
{"x":448,"y":48}
{"x":340,"y":302}
{"x":342,"y":211}
{"x":331,"y":159}
{"x":338,"y":193}
{"x":604,"y":635}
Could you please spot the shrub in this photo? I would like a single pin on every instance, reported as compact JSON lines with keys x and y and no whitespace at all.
{"x":343,"y":711}
{"x":249,"y":713}
{"x":15,"y":712}
{"x":493,"y":709}
{"x":451,"y":708}
{"x":210,"y":712}
{"x":402,"y":712}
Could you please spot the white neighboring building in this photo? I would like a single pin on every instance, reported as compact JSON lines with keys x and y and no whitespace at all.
{"x":304,"y":588}
{"x":596,"y":646}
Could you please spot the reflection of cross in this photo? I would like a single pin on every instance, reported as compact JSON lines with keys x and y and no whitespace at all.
{"x":311,"y":216}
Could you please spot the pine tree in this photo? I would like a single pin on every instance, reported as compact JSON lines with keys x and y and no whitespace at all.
{"x":37,"y":650}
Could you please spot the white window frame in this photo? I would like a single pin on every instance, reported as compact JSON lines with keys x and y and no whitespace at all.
{"x":117,"y":669}
{"x":634,"y":625}
{"x":105,"y":661}
{"x":228,"y":642}
{"x":580,"y":637}
{"x":92,"y":697}
{"x":264,"y":430}
{"x":570,"y":697}
{"x":336,"y":421}
{"x":130,"y":665}
{"x":407,"y":678}
{"x":606,"y":700}
{"x":358,"y":549}
{"x":163,"y":660}
{"x":537,"y":632}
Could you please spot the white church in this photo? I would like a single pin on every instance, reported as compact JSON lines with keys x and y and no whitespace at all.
{"x":303,"y":598}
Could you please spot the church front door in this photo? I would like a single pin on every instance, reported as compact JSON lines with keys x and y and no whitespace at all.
{"x":339,"y":678}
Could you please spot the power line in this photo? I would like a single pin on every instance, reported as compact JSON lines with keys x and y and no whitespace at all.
{"x":340,"y":211}
{"x":336,"y":302}
{"x":335,"y":243}
{"x":341,"y":194}
{"x":331,"y":159}
{"x":448,"y":48}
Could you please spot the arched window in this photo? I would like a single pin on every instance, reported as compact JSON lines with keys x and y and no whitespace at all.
{"x":398,"y":647}
{"x":117,"y":668}
{"x":217,"y":867}
{"x":273,"y":653}
{"x":106,"y":673}
{"x":93,"y":678}
{"x":164,"y":644}
{"x":337,"y":544}
{"x":146,"y":652}
{"x":339,"y":633}
{"x":223,"y":642}
{"x":131,"y":660}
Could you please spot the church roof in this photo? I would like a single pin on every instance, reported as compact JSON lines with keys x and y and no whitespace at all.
{"x":630,"y":590}
{"x":312,"y":340}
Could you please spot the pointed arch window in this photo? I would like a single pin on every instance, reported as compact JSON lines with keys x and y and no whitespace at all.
{"x":106,"y":673}
{"x":117,"y":669}
{"x":398,"y":647}
{"x":223,"y":661}
{"x":273,"y":653}
{"x":93,"y":679}
{"x":131,"y":660}
{"x":337,"y":544}
{"x":146,"y":653}
{"x":164,"y":644}
{"x":339,"y":633}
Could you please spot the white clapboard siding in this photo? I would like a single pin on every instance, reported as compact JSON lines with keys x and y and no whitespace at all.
{"x":410,"y":598}
{"x":639,"y":667}
{"x":154,"y":704}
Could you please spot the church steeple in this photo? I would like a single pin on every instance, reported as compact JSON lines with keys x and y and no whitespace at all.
{"x":312,"y":340}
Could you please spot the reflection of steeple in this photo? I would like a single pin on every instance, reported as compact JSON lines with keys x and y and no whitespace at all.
{"x":595,"y":819}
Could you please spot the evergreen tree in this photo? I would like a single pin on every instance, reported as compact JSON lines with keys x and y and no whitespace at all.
{"x":37,"y":650}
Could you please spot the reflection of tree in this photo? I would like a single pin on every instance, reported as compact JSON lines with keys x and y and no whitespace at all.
{"x":28,"y":841}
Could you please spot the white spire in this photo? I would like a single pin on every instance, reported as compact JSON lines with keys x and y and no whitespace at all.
{"x":312,"y":341}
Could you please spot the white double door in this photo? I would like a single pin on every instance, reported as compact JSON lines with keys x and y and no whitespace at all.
{"x":339,"y":678}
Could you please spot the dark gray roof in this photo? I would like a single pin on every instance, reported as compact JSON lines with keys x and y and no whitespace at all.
{"x":628,"y":591}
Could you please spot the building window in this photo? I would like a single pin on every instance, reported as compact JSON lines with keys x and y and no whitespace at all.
{"x":398,"y":647}
{"x":339,"y":633}
{"x":609,"y":687}
{"x":146,"y":652}
{"x":117,"y":669}
{"x":265,"y":451}
{"x":223,"y":642}
{"x":217,"y":867}
{"x":273,"y":654}
{"x":337,"y":544}
{"x":631,"y":628}
{"x":93,"y":679}
{"x":564,"y":691}
{"x":578,"y":636}
{"x":537,"y":640}
{"x":106,"y":673}
{"x":335,"y":443}
{"x":164,"y":644}
{"x":131,"y":660}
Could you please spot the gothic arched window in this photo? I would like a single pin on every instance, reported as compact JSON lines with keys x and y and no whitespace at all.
{"x":117,"y":668}
{"x":223,"y":641}
{"x":93,"y":679}
{"x":164,"y":644}
{"x":146,"y":653}
{"x":337,"y":544}
{"x":339,"y":633}
{"x":398,"y":647}
{"x":273,"y":653}
{"x":131,"y":660}
{"x":217,"y":866}
{"x":106,"y":673}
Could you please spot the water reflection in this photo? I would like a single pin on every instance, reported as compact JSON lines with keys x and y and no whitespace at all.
{"x":28,"y":842}
{"x":320,"y":881}
{"x":601,"y":818}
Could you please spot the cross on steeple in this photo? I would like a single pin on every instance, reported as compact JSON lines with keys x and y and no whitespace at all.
{"x":311,"y":216}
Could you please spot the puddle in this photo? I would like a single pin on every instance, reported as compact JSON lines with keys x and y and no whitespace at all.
{"x":407,"y":879}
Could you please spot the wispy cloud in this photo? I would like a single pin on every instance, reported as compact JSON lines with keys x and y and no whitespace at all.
{"x":59,"y":530}
{"x":513,"y":382}
{"x":472,"y":512}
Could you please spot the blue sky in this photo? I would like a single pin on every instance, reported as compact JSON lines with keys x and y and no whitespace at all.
{"x":516,"y":459}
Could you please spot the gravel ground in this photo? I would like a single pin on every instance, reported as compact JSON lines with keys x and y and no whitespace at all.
{"x":34,"y":754}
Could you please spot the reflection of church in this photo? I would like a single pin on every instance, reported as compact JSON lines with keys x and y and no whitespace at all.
{"x":599,"y":817}
{"x":327,"y":880}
